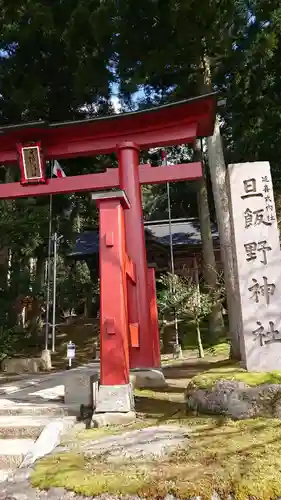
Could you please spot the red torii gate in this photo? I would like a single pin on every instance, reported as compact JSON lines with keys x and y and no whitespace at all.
{"x":128,"y":325}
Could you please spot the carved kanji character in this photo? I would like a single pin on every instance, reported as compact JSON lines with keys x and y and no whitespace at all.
{"x":266,"y":189}
{"x":265,"y":290}
{"x":250,"y":189}
{"x":255,"y":218}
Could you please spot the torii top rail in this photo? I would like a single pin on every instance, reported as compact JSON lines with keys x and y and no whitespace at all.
{"x":172,"y":124}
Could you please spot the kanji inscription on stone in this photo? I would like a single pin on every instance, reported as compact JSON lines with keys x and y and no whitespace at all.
{"x":258,"y":264}
{"x":268,"y":198}
{"x":266,"y":336}
{"x":265,"y":290}
{"x":255,"y":218}
{"x":254,"y":248}
{"x":250,"y":189}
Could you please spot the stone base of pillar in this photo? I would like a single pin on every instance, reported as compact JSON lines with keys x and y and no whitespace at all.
{"x":115,"y":399}
{"x":141,"y":378}
{"x":46,"y":360}
{"x":106,"y":419}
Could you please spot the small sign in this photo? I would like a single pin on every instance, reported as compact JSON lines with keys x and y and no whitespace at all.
{"x":71,"y":350}
{"x":31,"y":163}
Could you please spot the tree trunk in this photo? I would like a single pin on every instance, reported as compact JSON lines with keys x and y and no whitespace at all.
{"x":40,"y":271}
{"x":216,"y":324}
{"x":220,"y":192}
{"x":199,"y":340}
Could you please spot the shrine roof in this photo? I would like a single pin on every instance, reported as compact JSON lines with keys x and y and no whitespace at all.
{"x":174,"y":123}
{"x":184,"y":234}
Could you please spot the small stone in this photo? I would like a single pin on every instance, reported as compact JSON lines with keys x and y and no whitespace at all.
{"x":215,"y":496}
{"x":56,"y":492}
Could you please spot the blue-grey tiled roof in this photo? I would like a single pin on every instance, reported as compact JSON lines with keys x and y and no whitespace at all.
{"x":184,"y":233}
{"x":87,"y":243}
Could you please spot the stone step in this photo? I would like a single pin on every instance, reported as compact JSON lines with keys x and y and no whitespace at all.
{"x":13,"y":408}
{"x":22,"y":426}
{"x":13,"y":451}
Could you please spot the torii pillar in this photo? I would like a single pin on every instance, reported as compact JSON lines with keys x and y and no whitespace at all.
{"x":141,"y":352}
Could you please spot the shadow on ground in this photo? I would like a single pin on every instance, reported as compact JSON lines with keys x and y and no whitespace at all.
{"x":189,"y":369}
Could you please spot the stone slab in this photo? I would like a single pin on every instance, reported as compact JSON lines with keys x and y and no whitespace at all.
{"x":48,"y":440}
{"x":18,"y":427}
{"x":258,"y":264}
{"x":151,"y":442}
{"x":79,"y":389}
{"x":115,"y":399}
{"x":149,"y":378}
{"x":12,"y":408}
{"x":23,"y":421}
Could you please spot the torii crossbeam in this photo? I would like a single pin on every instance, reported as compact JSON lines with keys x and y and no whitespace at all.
{"x":128,"y":327}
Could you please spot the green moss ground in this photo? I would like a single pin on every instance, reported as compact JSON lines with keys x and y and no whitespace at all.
{"x":208,"y":378}
{"x":242,"y":457}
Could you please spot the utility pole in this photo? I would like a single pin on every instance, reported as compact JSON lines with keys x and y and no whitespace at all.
{"x":56,"y":240}
{"x":48,"y":276}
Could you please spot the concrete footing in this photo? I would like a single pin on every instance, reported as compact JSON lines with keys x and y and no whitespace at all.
{"x":147,"y":378}
{"x":46,"y":359}
{"x":115,"y":399}
{"x":107,"y":419}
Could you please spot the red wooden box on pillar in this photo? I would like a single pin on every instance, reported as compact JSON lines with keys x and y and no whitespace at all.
{"x":141,"y":356}
{"x":114,"y":331}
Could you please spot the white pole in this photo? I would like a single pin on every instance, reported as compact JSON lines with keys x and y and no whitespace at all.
{"x":171,"y":250}
{"x":54,"y":293}
{"x":48,"y":275}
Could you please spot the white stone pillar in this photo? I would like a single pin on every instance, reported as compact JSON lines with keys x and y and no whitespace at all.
{"x":258,"y":256}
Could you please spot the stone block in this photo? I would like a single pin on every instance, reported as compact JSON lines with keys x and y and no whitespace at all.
{"x":108,"y":419}
{"x":46,"y":360}
{"x":115,"y":399}
{"x":236,"y":400}
{"x":149,"y":378}
{"x":80,"y":388}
